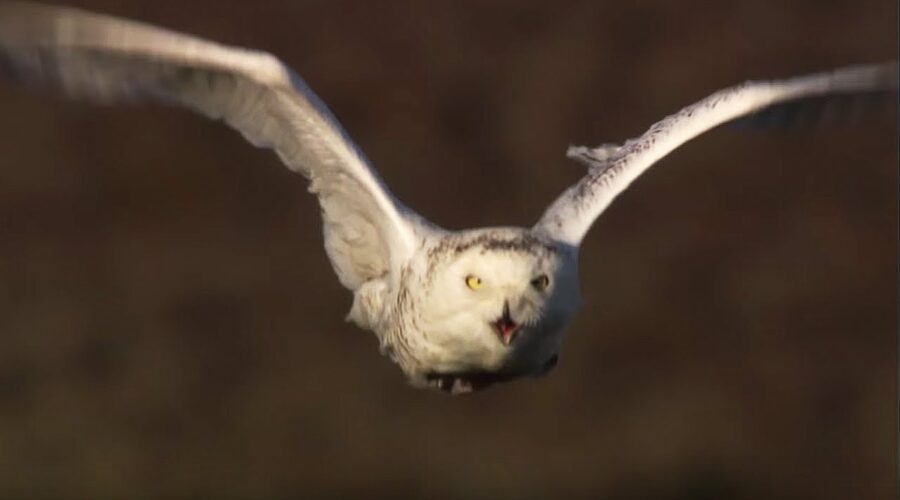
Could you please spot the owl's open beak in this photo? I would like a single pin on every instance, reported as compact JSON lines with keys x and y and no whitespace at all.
{"x":505,"y":326}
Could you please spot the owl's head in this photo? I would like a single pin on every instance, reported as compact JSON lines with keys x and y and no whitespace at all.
{"x":492,"y":305}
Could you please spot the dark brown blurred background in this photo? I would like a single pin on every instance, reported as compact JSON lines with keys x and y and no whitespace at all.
{"x":169,"y":323}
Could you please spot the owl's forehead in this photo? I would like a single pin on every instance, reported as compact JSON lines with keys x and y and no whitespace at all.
{"x":514,"y":265}
{"x":497,"y":245}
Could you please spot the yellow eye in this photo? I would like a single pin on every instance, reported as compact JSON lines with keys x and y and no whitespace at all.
{"x":473,"y":282}
{"x":541,"y":282}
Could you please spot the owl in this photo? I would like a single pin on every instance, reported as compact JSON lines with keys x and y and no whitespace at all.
{"x":456,"y":310}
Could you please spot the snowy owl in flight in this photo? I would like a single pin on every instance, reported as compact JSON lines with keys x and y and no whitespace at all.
{"x":456,"y":310}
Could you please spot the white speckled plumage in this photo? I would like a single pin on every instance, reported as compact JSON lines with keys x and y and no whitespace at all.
{"x":412,"y":281}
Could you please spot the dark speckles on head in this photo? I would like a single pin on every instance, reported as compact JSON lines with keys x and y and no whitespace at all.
{"x":494,"y":240}
{"x":523,"y":243}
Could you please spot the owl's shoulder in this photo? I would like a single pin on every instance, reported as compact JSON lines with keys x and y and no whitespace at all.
{"x":369,"y":301}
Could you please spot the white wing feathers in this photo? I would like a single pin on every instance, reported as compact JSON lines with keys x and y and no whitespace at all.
{"x":367,"y":232}
{"x":613,"y":168}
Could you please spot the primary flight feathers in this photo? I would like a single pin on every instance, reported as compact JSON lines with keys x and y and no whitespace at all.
{"x":408,"y":276}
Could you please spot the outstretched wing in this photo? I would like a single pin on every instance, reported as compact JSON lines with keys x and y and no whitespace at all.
{"x":102,"y":58}
{"x":612,"y":168}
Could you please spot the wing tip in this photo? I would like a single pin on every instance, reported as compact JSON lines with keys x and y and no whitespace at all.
{"x":873,"y":76}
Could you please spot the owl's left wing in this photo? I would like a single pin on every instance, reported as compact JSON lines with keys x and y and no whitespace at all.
{"x":612,"y":168}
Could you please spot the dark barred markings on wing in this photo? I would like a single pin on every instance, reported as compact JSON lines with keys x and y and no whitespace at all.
{"x":613,"y":168}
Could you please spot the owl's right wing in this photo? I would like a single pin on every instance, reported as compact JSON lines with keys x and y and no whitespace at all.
{"x":612,"y":168}
{"x":368,"y":233}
